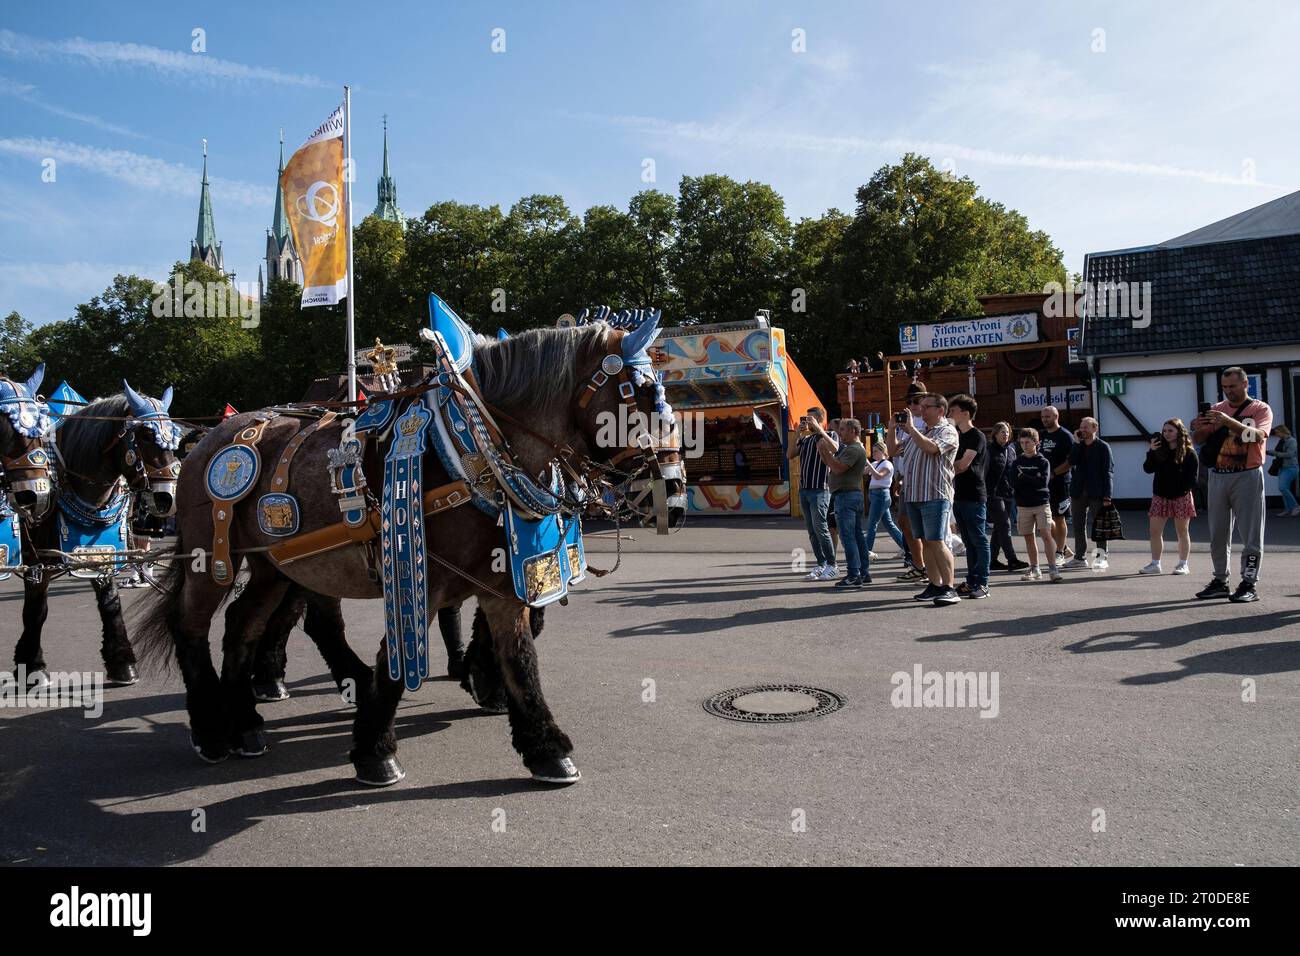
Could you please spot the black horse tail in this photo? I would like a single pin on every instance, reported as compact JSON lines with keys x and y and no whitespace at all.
{"x":153,"y":630}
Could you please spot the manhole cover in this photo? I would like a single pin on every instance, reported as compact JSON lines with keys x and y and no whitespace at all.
{"x":773,"y":703}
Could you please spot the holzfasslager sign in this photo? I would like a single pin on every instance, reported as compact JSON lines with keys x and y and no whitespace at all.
{"x":969,"y":334}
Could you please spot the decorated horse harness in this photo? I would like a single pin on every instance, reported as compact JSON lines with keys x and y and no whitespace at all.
{"x":541,"y":519}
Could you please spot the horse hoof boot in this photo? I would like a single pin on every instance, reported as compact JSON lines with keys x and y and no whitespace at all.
{"x":271,"y":691}
{"x":120,"y":675}
{"x":251,"y":743}
{"x":208,"y":752}
{"x":557,"y":770}
{"x":38,"y":680}
{"x":379,"y":771}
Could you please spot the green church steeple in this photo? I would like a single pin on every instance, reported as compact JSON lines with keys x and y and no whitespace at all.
{"x":205,"y":247}
{"x":387,"y":205}
{"x":280,"y":223}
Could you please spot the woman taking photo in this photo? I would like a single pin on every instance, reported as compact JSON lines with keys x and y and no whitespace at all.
{"x":1172,"y":463}
{"x":1289,"y":470}
{"x":998,"y":473}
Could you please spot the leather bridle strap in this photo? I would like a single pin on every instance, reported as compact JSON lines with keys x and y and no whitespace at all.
{"x":281,"y":478}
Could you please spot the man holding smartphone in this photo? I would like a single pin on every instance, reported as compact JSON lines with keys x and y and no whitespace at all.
{"x":814,"y":495}
{"x":1232,"y":435}
{"x":928,"y":457}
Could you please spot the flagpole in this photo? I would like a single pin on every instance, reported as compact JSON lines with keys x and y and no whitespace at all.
{"x":347,"y":201}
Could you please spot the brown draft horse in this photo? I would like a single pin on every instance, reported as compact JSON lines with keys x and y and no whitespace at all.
{"x":537,"y":377}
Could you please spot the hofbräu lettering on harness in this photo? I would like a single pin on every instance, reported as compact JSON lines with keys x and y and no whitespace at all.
{"x":403,"y":551}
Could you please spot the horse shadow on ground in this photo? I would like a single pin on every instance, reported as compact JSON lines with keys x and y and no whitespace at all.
{"x":62,"y":776}
{"x":1250,"y":660}
{"x":1040,"y":624}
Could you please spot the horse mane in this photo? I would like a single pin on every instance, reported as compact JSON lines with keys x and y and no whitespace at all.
{"x":82,"y":441}
{"x":536,"y":370}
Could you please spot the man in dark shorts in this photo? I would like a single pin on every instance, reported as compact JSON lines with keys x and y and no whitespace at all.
{"x":1055,"y":444}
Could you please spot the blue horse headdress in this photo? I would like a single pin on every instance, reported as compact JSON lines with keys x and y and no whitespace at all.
{"x":29,"y":415}
{"x":152,"y":413}
{"x":636,"y":355}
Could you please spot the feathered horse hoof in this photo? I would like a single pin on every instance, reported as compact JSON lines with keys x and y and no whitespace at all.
{"x":379,"y":771}
{"x":208,"y":752}
{"x":270,"y":692}
{"x":251,"y":743}
{"x":556,"y":770}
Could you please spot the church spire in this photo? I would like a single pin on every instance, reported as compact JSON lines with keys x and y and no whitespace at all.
{"x":387,"y":205}
{"x":280,"y":223}
{"x":205,"y":247}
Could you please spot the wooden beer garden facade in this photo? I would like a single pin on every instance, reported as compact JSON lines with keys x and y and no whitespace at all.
{"x":998,"y":372}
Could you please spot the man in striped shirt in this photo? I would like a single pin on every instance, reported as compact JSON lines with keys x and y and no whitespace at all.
{"x":928,"y":457}
{"x":815,"y":498}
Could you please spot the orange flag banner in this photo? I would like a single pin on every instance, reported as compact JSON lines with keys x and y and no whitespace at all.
{"x":313,"y":201}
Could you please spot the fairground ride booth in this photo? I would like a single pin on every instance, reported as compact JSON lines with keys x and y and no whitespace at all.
{"x":738,"y":396}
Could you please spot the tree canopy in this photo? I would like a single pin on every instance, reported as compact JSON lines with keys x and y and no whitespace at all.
{"x":920,"y":246}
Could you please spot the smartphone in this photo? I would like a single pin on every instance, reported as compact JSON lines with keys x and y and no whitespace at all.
{"x":1204,"y":407}
{"x":901,"y":418}
{"x":1157,"y":437}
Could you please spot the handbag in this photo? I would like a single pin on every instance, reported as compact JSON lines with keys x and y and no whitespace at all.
{"x":1107,"y":526}
{"x":1275,"y":468}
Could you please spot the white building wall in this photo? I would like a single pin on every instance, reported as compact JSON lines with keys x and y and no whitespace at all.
{"x":1154,"y":399}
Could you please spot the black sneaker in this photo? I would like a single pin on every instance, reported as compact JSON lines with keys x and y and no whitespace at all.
{"x":846,"y":582}
{"x":998,"y":566}
{"x":929,"y":594}
{"x":864,"y":580}
{"x":977,"y":593}
{"x":1017,"y":565}
{"x":1244,"y":594}
{"x":946,"y":596}
{"x":1215,"y":589}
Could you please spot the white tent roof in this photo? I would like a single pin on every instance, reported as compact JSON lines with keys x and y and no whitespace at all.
{"x":1281,"y":217}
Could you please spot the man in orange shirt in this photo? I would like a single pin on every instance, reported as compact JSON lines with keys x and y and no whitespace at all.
{"x":1232,"y":435}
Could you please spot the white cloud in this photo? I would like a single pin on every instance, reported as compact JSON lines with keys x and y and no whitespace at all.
{"x":27,"y":93}
{"x":738,"y":137}
{"x":109,"y":53}
{"x":136,"y":169}
{"x":77,"y":278}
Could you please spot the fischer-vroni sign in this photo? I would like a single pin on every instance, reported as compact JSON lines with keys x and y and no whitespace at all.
{"x":969,"y":335}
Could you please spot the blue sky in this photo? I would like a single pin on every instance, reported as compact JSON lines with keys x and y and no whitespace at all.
{"x":1187,"y":115}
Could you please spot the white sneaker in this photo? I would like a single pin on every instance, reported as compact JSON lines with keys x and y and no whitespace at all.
{"x":1055,"y":575}
{"x":830,"y":573}
{"x":1033,"y":574}
{"x":873,"y":556}
{"x":1182,"y":568}
{"x":1100,"y":561}
{"x":815,"y":574}
{"x":1154,"y":568}
{"x":1074,"y":564}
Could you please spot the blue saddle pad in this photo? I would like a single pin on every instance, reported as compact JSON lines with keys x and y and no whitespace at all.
{"x":454,"y":331}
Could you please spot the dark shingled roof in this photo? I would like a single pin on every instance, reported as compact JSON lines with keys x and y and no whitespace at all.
{"x":1217,"y":295}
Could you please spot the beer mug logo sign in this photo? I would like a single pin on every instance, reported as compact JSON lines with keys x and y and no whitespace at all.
{"x":320,"y":203}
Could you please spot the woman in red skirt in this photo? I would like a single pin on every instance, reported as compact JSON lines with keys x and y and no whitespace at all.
{"x":1172,"y":463}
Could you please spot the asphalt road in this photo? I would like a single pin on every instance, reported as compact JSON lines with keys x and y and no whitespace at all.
{"x":1121,"y":734}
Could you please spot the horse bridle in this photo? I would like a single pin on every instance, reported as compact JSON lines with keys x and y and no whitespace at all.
{"x":29,"y":470}
{"x":613,"y":367}
{"x":160,"y":479}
